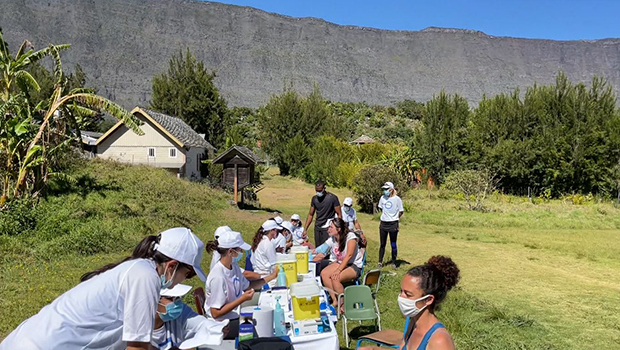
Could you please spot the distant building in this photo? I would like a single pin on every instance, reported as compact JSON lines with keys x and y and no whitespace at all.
{"x":168,"y":142}
{"x":362,"y":140}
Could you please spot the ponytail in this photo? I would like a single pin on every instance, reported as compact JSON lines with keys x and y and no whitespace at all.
{"x":214,"y":246}
{"x":257,"y":238}
{"x":144,"y":250}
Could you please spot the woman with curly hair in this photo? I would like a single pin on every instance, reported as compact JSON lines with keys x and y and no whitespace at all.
{"x":422,"y":290}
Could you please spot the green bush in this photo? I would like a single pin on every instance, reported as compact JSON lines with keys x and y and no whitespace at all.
{"x":326,"y":156}
{"x":17,"y":217}
{"x":367,"y":185}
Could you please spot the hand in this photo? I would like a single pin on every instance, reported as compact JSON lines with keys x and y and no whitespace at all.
{"x":272,"y":275}
{"x":280,"y":250}
{"x":318,"y":257}
{"x":248,"y":294}
{"x":225,"y":330}
{"x":336,"y":275}
{"x":364,"y":242}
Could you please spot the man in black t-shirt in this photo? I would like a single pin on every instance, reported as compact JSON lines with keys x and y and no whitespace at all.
{"x":326,"y":206}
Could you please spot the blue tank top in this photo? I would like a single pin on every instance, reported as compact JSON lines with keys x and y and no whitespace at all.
{"x":426,"y":338}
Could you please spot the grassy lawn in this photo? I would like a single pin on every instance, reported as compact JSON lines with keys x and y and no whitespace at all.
{"x":539,"y":276}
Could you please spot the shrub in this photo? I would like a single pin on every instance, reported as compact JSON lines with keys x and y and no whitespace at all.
{"x":18,"y":217}
{"x":473,"y":185}
{"x":325,"y":157}
{"x":367,"y":185}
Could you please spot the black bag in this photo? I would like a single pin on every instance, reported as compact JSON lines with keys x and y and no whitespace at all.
{"x":273,"y":343}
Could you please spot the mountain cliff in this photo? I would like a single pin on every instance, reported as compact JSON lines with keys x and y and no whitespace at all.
{"x":122,"y":44}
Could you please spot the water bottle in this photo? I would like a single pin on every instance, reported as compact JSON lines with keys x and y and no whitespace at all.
{"x":279,"y":325}
{"x":281,"y":277}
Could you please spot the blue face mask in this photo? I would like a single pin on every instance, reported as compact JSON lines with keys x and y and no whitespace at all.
{"x":173,"y":311}
{"x":386,"y":193}
{"x":320,"y":194}
{"x":162,"y":279}
{"x":238,"y":258}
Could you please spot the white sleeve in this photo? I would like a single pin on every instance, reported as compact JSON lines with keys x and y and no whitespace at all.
{"x":217,"y":295}
{"x":243,"y":281}
{"x":381,"y":200}
{"x":140,"y":293}
{"x":270,"y":254}
{"x":354,"y":216}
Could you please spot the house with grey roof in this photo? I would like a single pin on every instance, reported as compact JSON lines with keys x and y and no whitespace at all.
{"x":168,"y":142}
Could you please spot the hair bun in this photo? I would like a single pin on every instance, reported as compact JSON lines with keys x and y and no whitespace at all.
{"x":448,"y":268}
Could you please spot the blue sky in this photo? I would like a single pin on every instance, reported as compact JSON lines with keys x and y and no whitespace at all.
{"x":544,"y":19}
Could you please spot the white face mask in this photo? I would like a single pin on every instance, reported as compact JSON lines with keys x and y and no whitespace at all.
{"x":408,"y":308}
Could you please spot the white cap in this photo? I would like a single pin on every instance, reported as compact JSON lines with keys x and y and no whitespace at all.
{"x":329,"y":222}
{"x":279,"y":220}
{"x":295,"y":217}
{"x":181,"y":244}
{"x":270,"y":225}
{"x":220,"y":230}
{"x":177,"y":291}
{"x":287,"y":225}
{"x":388,"y":185}
{"x":348,"y":201}
{"x":232,"y":239}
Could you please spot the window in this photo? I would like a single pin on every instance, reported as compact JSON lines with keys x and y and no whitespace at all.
{"x":151,"y":152}
{"x":173,"y":152}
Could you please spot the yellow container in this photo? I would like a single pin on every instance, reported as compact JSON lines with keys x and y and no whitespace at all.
{"x":301,"y":253}
{"x":305,"y":300}
{"x":289,"y":264}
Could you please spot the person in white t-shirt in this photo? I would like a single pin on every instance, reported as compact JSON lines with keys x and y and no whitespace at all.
{"x":349,"y":215}
{"x":114,"y":307}
{"x":176,"y":322}
{"x":263,"y":251}
{"x":284,"y":240}
{"x":226,"y":287}
{"x":343,"y":246}
{"x":299,"y":236}
{"x":216,"y":256}
{"x":391,"y":210}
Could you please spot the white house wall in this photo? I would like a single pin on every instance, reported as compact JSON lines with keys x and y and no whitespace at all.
{"x":192,"y":166}
{"x":123,"y":145}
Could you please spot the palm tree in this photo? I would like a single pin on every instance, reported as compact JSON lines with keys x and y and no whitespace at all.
{"x":27,"y":147}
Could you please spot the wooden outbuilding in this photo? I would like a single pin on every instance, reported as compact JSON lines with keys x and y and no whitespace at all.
{"x":239,"y":168}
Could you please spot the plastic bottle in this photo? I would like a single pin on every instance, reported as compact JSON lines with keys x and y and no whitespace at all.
{"x":281,"y":277}
{"x":278,"y":320}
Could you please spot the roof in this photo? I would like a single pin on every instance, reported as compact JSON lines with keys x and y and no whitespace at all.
{"x":240,"y":150}
{"x":174,"y":127}
{"x":363,"y":139}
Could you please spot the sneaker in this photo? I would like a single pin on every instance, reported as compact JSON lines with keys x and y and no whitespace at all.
{"x":393,"y":265}
{"x":379,"y":265}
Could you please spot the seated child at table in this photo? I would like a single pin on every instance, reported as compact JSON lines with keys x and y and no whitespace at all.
{"x":284,"y":240}
{"x":299,"y":237}
{"x":263,"y":250}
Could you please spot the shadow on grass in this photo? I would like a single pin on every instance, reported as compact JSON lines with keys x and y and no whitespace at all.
{"x":359,"y":331}
{"x":84,"y":185}
{"x":400,"y":262}
{"x":248,"y":206}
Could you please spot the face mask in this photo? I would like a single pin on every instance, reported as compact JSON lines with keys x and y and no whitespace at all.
{"x":320,"y":194}
{"x":173,"y":311}
{"x":408,"y":308}
{"x":238,"y":258}
{"x":166,"y":284}
{"x":386,"y":193}
{"x":346,"y":208}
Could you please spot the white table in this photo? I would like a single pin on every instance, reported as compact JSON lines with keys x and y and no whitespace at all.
{"x":323,"y":341}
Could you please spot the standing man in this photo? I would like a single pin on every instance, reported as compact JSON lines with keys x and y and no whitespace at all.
{"x":326,"y":206}
{"x":391,"y":210}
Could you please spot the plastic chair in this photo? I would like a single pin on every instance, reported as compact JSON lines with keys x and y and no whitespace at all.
{"x":389,"y":337}
{"x":359,"y":305}
{"x":373,"y":277}
{"x":199,"y":298}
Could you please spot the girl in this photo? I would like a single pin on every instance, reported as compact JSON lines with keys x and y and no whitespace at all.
{"x":263,"y":251}
{"x":284,"y":239}
{"x":299,"y":237}
{"x":347,"y":262}
{"x":391,"y":210}
{"x":226,"y":286}
{"x":422,"y":290}
{"x":113,"y":307}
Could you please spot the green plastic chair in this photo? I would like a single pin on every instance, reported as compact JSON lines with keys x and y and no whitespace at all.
{"x":359,"y":305}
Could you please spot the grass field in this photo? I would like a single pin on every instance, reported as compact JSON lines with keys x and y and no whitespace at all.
{"x":541,"y":276}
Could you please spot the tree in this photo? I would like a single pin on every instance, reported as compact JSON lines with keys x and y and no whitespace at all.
{"x":441,"y":140}
{"x":187,"y":91}
{"x":289,"y":115}
{"x":32,"y":139}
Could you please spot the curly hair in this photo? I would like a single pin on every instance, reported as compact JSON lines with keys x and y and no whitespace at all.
{"x":437,"y":276}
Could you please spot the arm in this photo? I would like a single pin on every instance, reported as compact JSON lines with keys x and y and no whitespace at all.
{"x":309,"y":219}
{"x":441,"y":340}
{"x":343,"y":265}
{"x":256,"y":284}
{"x":132,"y":345}
{"x":247,"y":295}
{"x":338,"y":210}
{"x":251,"y":275}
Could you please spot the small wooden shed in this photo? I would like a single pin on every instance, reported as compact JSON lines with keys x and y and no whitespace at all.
{"x":239,"y":168}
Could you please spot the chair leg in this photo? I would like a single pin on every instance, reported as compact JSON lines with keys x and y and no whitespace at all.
{"x":345,"y":331}
{"x":359,"y":342}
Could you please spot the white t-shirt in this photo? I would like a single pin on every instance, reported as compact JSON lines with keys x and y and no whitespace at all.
{"x":264,"y":258}
{"x":214,"y":259}
{"x":390,"y":208}
{"x":279,"y":241}
{"x":104,"y":312}
{"x":224,"y":286}
{"x":297,"y":234}
{"x":349,"y":217}
{"x":337,"y":255}
{"x":174,"y":332}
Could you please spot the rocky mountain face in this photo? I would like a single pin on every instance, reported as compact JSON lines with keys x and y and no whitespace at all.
{"x":122,"y":44}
